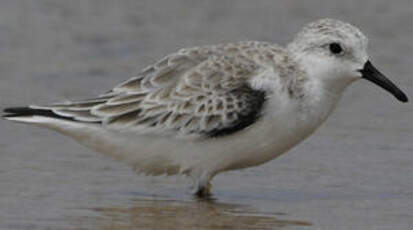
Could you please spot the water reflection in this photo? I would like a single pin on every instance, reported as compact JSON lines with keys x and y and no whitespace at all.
{"x":192,"y":214}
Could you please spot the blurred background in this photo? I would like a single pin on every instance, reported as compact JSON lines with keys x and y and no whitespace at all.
{"x":354,"y":173}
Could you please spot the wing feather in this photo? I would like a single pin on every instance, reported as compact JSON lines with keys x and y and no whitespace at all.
{"x":194,"y":92}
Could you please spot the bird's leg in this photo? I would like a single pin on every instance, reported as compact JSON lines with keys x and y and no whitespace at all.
{"x":202,"y":188}
{"x":203,"y":191}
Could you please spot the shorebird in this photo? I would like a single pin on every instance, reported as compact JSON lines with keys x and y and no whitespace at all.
{"x":209,"y":109}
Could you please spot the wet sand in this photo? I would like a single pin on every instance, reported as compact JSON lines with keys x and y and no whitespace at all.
{"x":354,"y":173}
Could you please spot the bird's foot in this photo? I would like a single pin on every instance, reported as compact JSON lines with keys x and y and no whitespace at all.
{"x":203,"y":191}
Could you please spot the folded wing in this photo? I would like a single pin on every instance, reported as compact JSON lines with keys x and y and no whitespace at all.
{"x":203,"y":91}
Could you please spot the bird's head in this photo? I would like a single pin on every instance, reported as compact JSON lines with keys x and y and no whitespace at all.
{"x":336,"y":53}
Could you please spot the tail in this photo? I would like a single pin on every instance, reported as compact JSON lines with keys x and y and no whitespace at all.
{"x":38,"y":114}
{"x":48,"y":118}
{"x":29,"y":115}
{"x":72,"y":119}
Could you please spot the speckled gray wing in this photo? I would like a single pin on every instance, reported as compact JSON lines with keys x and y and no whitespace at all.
{"x":194,"y":92}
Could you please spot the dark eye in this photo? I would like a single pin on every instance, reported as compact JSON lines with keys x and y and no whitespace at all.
{"x":335,"y":48}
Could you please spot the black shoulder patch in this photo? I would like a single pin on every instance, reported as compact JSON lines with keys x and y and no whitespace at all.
{"x":255,"y":100}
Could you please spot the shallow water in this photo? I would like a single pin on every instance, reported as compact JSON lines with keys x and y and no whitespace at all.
{"x":354,"y":173}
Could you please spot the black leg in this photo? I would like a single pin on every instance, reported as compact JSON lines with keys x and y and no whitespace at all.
{"x":203,"y":193}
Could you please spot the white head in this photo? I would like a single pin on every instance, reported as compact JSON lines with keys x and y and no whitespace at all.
{"x":336,"y":53}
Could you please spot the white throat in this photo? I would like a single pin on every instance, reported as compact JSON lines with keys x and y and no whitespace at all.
{"x":323,"y":89}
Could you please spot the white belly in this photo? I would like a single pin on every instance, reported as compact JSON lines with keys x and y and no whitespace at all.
{"x":271,"y":136}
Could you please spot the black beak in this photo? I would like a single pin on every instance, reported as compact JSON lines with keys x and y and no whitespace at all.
{"x":370,"y":73}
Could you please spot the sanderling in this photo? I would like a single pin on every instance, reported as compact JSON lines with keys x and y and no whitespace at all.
{"x":205,"y":110}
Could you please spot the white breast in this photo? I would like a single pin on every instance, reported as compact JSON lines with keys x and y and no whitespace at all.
{"x":285,"y":123}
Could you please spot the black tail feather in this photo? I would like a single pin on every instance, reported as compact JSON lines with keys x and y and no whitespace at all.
{"x":27,"y":112}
